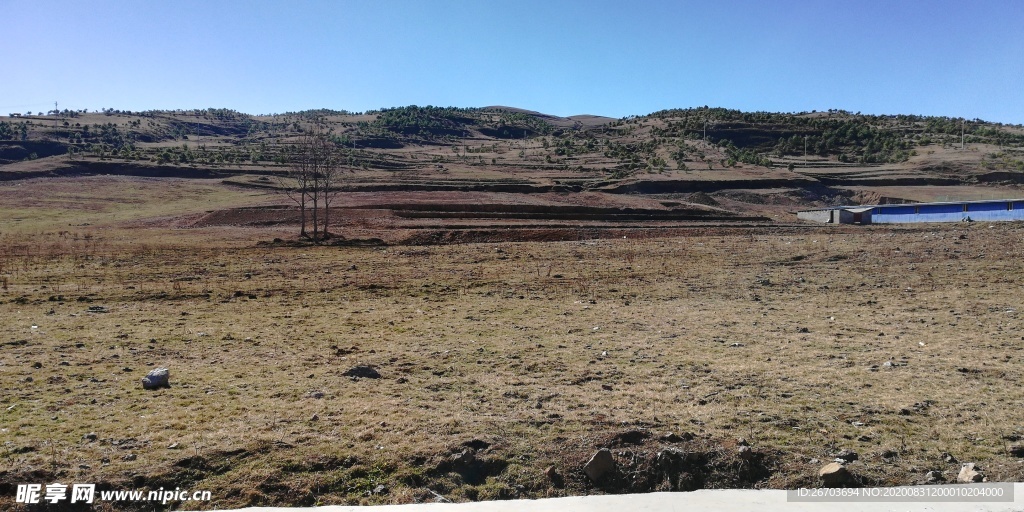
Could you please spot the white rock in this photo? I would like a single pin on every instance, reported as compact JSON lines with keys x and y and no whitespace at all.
{"x":969,"y":474}
{"x":156,"y":379}
{"x":600,"y":464}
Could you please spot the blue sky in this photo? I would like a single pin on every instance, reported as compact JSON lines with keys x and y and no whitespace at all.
{"x":614,"y":58}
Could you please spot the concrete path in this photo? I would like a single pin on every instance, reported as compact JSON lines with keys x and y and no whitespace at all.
{"x":708,"y":500}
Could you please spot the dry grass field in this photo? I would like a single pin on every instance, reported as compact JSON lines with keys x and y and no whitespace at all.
{"x":497,"y":361}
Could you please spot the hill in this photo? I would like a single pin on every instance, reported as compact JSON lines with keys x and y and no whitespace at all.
{"x":750,"y":164}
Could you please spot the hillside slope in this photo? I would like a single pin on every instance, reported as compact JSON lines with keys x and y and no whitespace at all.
{"x":798,"y":160}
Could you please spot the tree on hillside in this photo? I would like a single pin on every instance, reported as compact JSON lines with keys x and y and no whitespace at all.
{"x":312,"y":179}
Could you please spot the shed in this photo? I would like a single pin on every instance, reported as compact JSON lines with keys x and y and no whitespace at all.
{"x":839,"y":215}
{"x":956,"y":211}
{"x":855,"y":215}
{"x":963,"y":211}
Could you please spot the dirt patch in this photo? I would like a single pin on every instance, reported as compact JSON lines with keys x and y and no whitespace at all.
{"x":702,"y":198}
{"x":790,"y":198}
{"x":669,"y":186}
{"x":256,"y":216}
{"x":462,"y":236}
{"x":480,"y":218}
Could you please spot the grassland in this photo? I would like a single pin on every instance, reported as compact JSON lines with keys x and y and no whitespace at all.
{"x":902,"y":344}
{"x":629,"y":279}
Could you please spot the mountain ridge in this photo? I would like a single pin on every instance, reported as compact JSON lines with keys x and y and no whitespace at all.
{"x":440,"y":148}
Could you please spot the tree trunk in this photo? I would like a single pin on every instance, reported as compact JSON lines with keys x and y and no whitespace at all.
{"x":316,"y":211}
{"x":302,"y":213}
{"x":327,"y":212}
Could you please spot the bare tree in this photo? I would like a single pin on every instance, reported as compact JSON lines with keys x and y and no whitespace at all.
{"x":296,"y":185}
{"x":311,"y":181}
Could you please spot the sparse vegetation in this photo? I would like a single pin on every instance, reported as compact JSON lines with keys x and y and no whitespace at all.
{"x":801,"y":343}
{"x":407,"y":139}
{"x":528,"y":289}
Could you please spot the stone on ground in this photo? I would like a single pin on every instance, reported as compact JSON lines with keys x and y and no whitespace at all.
{"x":970,"y":474}
{"x":156,"y":379}
{"x":835,"y":475}
{"x":600,"y":464}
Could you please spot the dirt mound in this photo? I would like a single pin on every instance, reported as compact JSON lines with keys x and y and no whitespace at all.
{"x":701,"y":198}
{"x":867,"y":197}
{"x":261,"y":216}
{"x":745,"y":196}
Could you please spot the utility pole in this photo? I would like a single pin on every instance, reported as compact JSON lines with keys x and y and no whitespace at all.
{"x":56,"y":121}
{"x":805,"y":148}
{"x":961,"y":134}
